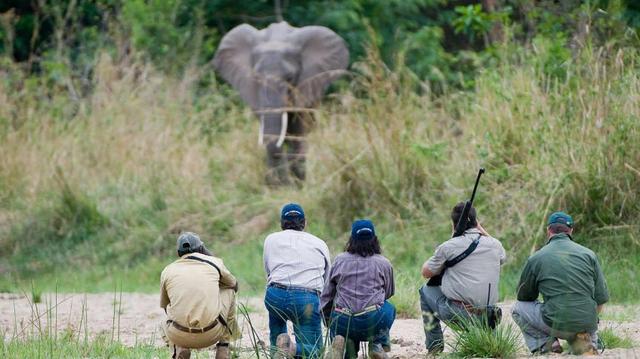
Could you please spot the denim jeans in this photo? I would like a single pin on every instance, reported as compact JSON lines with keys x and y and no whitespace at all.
{"x":300,"y":307}
{"x":370,"y":327}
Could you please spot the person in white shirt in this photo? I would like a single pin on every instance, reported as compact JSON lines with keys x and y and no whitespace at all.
{"x":297,"y":265}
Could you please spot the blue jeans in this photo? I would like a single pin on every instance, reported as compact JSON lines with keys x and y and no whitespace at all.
{"x":300,"y":307}
{"x":371,"y":327}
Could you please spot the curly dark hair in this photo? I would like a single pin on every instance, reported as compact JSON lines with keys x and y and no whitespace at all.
{"x":363,"y":247}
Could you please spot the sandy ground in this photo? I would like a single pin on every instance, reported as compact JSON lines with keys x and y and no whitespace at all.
{"x":134,"y":318}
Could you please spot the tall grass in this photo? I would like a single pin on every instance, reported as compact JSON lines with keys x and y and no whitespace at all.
{"x":100,"y":187}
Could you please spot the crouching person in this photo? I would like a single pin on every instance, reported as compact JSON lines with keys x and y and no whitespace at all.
{"x":573,"y":288}
{"x":469,"y":266}
{"x":355,"y":296}
{"x":296,"y":264}
{"x":198,"y":294}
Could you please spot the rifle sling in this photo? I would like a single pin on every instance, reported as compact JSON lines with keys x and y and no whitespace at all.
{"x":206,"y":261}
{"x":457,"y":259}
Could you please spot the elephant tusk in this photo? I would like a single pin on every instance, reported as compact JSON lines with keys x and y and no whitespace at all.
{"x":261,"y":133}
{"x":283,"y":129}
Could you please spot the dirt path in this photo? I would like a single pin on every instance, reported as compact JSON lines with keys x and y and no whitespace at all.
{"x":140,"y":314}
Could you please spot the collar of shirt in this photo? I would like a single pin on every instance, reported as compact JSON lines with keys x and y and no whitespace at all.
{"x":559,"y":237}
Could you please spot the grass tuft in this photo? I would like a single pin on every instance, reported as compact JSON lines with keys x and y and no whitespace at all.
{"x":474,"y":339}
{"x":611,"y":340}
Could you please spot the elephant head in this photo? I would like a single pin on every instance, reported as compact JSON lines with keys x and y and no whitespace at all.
{"x":280,"y":71}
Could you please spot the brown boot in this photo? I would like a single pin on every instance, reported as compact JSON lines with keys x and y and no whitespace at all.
{"x":337,"y":348}
{"x":582,"y":345}
{"x":222,"y":351}
{"x":286,"y":347}
{"x":183,"y":353}
{"x":376,"y":351}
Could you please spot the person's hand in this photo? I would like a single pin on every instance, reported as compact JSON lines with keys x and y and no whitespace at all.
{"x":482,"y":230}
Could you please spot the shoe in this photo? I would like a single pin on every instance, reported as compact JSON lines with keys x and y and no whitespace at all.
{"x":286,"y":348}
{"x":552,"y":346}
{"x":183,"y":353}
{"x":436,"y":348}
{"x":222,"y":351}
{"x":376,"y":351}
{"x":582,"y":345}
{"x":337,"y":348}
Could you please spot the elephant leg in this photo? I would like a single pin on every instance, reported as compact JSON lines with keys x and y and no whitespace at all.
{"x":297,"y":147}
{"x":276,"y":165}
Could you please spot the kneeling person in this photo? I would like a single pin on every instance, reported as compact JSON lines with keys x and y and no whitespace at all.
{"x":355,"y":296}
{"x":573,"y":287}
{"x":469,"y":288}
{"x":198,"y":294}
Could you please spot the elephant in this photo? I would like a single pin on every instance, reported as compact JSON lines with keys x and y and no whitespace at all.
{"x":282,"y":72}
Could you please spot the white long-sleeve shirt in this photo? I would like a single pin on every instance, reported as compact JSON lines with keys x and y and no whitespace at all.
{"x":296,"y":259}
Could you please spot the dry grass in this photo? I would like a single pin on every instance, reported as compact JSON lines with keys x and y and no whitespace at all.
{"x":155,"y":155}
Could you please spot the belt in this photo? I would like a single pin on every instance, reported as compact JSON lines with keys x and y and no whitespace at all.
{"x":288,"y":287}
{"x":193,"y":330}
{"x":468,"y":307}
{"x":348,"y":312}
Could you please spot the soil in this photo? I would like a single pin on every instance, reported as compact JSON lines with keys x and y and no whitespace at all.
{"x":134,"y":318}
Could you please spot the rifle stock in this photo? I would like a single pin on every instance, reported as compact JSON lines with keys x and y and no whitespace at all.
{"x":461,"y":227}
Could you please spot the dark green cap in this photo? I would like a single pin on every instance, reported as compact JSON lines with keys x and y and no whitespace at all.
{"x":560,"y":218}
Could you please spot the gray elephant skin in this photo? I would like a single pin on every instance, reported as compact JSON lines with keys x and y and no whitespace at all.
{"x":282,"y":72}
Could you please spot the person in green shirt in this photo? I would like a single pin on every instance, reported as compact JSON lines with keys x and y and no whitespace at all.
{"x":573,"y":288}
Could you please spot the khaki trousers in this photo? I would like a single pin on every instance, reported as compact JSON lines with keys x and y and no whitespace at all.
{"x":219,"y":334}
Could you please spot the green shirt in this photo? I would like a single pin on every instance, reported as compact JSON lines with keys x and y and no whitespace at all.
{"x":571,"y":282}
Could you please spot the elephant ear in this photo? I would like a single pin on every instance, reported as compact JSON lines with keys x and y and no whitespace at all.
{"x":233,"y":61}
{"x":324,"y":58}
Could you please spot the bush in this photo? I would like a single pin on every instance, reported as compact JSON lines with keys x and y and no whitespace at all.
{"x":474,"y":339}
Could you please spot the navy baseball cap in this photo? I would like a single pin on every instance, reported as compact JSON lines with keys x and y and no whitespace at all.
{"x":560,"y":218}
{"x":362,"y":229}
{"x":292,"y":211}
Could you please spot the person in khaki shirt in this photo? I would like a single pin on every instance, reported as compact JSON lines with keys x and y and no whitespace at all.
{"x":198,"y":294}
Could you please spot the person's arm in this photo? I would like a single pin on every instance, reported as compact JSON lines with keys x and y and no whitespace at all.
{"x":328,"y":294}
{"x":503,"y":254}
{"x":265,"y":257}
{"x":435,"y":264}
{"x":389,"y":282}
{"x":227,"y":280}
{"x":601,"y":291}
{"x":482,"y":230}
{"x":164,"y":296}
{"x":327,"y":263}
{"x":528,"y":285}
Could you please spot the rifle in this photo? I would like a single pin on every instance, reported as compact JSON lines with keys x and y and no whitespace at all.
{"x":461,"y":226}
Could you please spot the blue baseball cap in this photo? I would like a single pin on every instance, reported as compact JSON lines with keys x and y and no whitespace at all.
{"x":292,"y":211}
{"x":362,"y":229}
{"x":560,"y":218}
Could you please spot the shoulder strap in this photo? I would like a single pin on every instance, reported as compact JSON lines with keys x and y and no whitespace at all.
{"x":457,"y":259}
{"x":206,"y":261}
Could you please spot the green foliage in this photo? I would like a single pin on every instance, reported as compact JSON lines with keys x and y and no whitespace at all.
{"x":435,"y":35}
{"x":611,"y":340}
{"x":68,"y":347}
{"x":471,"y":21}
{"x":474,"y":339}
